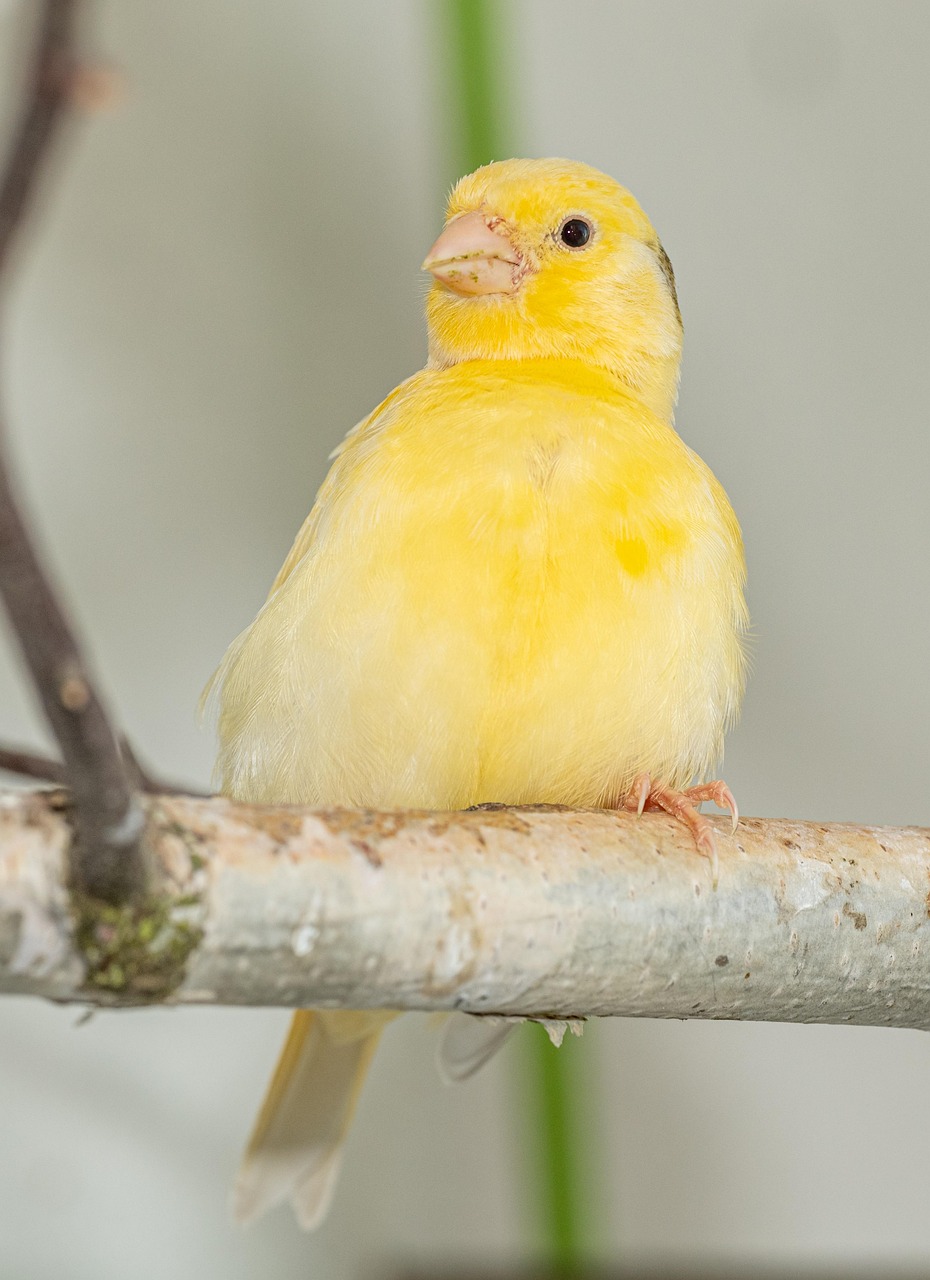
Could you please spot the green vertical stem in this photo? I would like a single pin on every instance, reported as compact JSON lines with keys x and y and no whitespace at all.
{"x":558,"y":1144}
{"x":477,"y":105}
{"x":476,"y":75}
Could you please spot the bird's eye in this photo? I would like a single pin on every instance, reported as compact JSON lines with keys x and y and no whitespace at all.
{"x":575,"y":232}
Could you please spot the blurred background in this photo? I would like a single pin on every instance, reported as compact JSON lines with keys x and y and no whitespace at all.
{"x":222,"y":280}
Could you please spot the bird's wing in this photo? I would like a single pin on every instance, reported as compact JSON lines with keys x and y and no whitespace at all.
{"x":467,"y":1043}
{"x":305,"y":537}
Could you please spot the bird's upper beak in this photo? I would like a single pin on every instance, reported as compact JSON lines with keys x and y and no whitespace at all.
{"x":473,"y":255}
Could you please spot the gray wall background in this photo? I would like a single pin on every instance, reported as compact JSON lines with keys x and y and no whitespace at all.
{"x":222,"y":281}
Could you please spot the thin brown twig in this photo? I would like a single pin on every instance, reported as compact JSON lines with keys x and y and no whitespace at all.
{"x":107,"y":860}
{"x":23,"y":763}
{"x":27,"y":764}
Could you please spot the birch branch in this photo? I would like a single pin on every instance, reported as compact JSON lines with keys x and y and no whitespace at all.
{"x":529,"y":912}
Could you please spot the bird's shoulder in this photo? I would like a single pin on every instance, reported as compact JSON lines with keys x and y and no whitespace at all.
{"x":447,"y":434}
{"x":493,"y":408}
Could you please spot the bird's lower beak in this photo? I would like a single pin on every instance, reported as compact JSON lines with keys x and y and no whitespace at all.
{"x":474,"y":256}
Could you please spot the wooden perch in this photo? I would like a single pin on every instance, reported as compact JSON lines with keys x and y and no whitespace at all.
{"x":510,"y":911}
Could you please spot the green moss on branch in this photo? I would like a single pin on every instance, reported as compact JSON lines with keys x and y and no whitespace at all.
{"x":138,"y":952}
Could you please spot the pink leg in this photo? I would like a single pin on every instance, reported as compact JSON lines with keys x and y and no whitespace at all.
{"x":721,"y":795}
{"x":644,"y":794}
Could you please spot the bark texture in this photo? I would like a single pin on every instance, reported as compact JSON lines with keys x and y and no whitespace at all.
{"x":533,"y":912}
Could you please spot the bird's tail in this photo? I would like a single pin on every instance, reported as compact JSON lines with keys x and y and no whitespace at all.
{"x":296,"y":1145}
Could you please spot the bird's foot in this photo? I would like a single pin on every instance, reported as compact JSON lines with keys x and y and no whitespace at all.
{"x":645,"y":794}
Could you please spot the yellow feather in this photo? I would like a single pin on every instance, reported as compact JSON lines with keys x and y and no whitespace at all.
{"x":296,"y":1145}
{"x":517,"y":583}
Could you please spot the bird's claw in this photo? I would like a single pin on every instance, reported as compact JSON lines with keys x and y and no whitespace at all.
{"x":638,"y":796}
{"x":721,"y":795}
{"x":707,"y":846}
{"x":644,"y":794}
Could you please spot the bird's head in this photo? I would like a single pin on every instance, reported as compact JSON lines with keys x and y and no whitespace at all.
{"x":553,"y":259}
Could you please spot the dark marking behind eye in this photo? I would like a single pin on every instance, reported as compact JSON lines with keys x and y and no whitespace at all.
{"x":669,"y":274}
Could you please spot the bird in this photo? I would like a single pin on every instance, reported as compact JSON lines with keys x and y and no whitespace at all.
{"x":516,"y":585}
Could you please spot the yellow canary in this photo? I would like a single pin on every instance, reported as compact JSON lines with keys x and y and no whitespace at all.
{"x":516,"y":584}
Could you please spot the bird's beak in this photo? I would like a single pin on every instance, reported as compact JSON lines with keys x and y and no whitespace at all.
{"x":474,"y":256}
